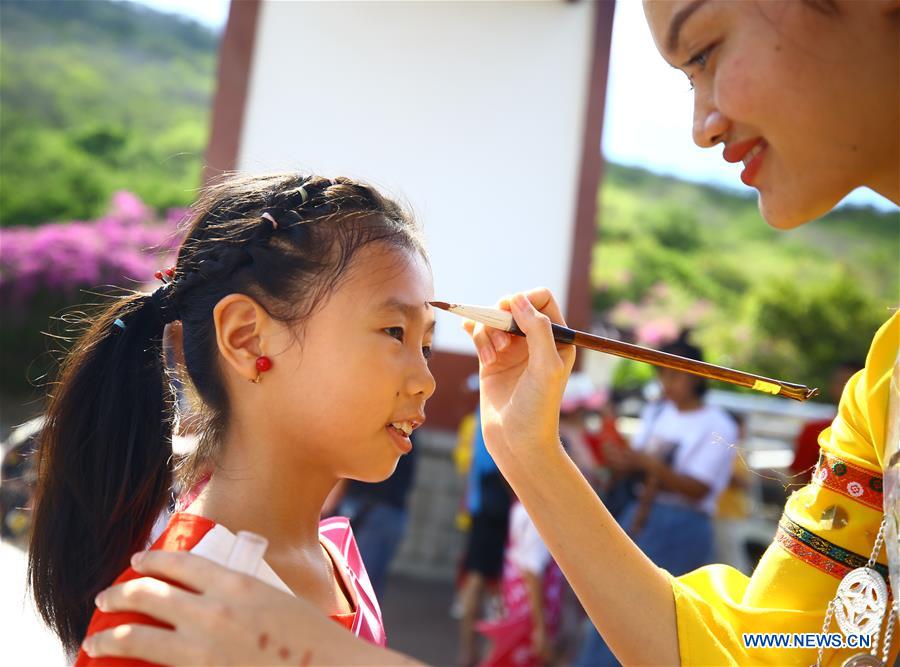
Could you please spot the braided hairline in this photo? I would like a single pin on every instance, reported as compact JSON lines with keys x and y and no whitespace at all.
{"x":337,"y":193}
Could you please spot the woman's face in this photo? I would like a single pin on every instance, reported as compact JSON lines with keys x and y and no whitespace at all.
{"x":357,"y":365}
{"x":806,"y":100}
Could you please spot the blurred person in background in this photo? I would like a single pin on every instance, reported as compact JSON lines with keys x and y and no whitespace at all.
{"x":524,"y":635}
{"x":18,"y":480}
{"x":682,"y":459}
{"x":601,"y":406}
{"x":573,"y":428}
{"x":488,"y":503}
{"x":464,"y":450}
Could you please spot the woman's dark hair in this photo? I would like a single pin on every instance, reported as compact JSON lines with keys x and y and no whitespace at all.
{"x":105,"y":457}
{"x":683,"y":348}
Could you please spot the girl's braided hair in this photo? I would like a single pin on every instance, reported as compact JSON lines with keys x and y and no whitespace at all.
{"x":105,"y":456}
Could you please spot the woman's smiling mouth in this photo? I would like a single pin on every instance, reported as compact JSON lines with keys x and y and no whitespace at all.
{"x":751,"y":153}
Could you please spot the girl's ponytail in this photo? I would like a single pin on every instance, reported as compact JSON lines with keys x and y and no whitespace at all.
{"x":103,"y":462}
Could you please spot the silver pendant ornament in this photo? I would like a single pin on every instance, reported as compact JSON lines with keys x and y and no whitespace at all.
{"x":863,"y":660}
{"x":859,"y":606}
{"x":862,"y":599}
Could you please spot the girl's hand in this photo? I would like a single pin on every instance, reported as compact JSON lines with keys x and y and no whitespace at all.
{"x":522,"y":379}
{"x":232,"y":619}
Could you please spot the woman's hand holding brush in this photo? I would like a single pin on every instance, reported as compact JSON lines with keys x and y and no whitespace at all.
{"x":522,"y":384}
{"x":522,"y":379}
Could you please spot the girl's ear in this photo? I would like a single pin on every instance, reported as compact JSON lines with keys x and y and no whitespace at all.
{"x":239,"y":322}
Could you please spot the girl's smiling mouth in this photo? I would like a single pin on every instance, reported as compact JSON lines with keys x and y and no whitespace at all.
{"x":401,"y":430}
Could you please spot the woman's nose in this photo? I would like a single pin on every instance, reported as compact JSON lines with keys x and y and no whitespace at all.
{"x":710,"y":125}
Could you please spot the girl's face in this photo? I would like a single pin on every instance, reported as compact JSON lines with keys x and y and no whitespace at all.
{"x":806,"y":100}
{"x":358,"y":365}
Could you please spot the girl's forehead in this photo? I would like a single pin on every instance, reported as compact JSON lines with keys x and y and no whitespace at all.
{"x":392,"y":275}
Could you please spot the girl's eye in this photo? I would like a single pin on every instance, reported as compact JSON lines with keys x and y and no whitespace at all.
{"x":426,"y":352}
{"x":395,"y":332}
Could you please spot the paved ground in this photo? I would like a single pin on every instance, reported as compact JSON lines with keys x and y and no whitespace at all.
{"x":417,"y":620}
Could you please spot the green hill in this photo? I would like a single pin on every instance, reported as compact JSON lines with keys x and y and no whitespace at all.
{"x":97,"y":96}
{"x":787,"y":304}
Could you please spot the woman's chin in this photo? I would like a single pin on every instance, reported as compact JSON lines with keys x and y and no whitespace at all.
{"x":789,"y":210}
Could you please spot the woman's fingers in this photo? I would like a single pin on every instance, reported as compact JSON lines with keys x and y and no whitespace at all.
{"x":538,"y":334}
{"x":145,"y":642}
{"x":499,"y":338}
{"x":191,"y":571}
{"x":542,"y":300}
{"x":540,"y":307}
{"x":149,"y":596}
{"x":487,"y":353}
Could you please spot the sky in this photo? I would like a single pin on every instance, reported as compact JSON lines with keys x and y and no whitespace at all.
{"x":635,"y":129}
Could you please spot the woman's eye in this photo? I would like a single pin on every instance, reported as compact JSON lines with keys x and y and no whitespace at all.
{"x":701,"y":58}
{"x":698,"y":61}
{"x":426,"y":352}
{"x":395,"y":332}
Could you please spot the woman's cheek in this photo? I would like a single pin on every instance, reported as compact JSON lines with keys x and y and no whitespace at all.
{"x":737,"y":93}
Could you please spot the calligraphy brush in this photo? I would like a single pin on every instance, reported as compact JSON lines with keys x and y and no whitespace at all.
{"x":503,"y":320}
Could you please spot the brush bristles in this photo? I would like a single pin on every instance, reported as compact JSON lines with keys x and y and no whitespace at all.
{"x":443,"y":305}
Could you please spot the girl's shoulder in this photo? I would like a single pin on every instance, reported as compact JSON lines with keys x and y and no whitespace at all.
{"x":184,"y":532}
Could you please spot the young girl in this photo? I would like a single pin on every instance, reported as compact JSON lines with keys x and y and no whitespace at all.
{"x":306,"y":334}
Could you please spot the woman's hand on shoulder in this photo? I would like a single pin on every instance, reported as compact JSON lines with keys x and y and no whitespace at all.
{"x":522,"y":379}
{"x":225,"y":618}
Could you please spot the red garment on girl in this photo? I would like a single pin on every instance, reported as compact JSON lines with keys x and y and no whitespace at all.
{"x":199,"y":535}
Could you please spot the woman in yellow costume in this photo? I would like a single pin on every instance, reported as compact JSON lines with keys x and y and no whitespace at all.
{"x":806,"y":93}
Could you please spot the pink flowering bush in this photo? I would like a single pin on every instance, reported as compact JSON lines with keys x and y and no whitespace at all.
{"x":660,"y":315}
{"x":45,"y":269}
{"x":124,"y":248}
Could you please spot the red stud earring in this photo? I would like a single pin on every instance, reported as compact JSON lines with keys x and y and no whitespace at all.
{"x":262,"y":365}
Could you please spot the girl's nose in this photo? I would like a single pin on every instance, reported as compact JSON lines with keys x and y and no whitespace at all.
{"x":421,"y":381}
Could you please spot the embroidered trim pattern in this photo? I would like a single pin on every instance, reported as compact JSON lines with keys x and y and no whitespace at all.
{"x":859,"y":484}
{"x":818,"y":552}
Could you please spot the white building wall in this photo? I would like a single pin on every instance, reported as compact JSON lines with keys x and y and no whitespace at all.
{"x":473,"y":112}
